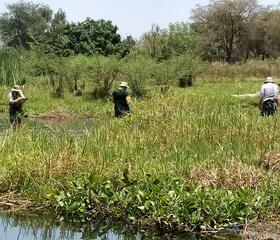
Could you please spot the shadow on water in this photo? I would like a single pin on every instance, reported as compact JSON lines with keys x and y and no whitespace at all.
{"x":47,"y":227}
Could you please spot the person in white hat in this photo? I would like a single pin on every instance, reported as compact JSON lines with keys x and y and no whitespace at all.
{"x":16,"y":100}
{"x":269,"y":97}
{"x":121,"y":99}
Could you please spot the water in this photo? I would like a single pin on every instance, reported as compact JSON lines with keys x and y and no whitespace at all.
{"x":53,"y":126}
{"x":44,"y":226}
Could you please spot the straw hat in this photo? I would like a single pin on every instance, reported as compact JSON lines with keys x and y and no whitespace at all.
{"x":16,"y":88}
{"x":269,"y":80}
{"x":124,"y":85}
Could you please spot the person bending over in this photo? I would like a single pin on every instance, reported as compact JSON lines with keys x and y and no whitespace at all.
{"x":268,"y":97}
{"x":16,"y":100}
{"x":121,"y":99}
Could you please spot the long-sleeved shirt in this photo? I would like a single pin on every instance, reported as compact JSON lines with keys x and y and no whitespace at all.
{"x":14,"y":95}
{"x":269,"y":91}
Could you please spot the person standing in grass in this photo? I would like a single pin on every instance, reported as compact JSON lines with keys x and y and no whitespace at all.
{"x":268,"y":97}
{"x":121,"y":100}
{"x":16,"y":100}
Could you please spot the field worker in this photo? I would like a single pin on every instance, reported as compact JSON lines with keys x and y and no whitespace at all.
{"x":121,"y":100}
{"x":268,"y":97}
{"x":16,"y":100}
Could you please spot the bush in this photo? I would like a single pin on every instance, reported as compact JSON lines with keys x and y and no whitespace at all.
{"x":137,"y":71}
{"x":104,"y":72}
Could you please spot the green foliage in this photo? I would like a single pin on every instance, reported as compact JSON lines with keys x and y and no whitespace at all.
{"x":137,"y":71}
{"x":23,"y":22}
{"x":10,"y":65}
{"x":92,"y":38}
{"x":177,"y":39}
{"x":167,"y":202}
{"x":126,"y":46}
{"x":104,"y":72}
{"x":202,"y":171}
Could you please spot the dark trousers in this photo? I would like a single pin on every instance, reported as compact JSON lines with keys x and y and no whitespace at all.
{"x":15,"y":116}
{"x":269,"y":107}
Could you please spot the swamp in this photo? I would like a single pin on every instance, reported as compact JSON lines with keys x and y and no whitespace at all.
{"x":193,"y":158}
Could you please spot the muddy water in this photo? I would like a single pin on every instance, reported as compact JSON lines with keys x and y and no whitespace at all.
{"x":78,"y":126}
{"x":48,"y":227}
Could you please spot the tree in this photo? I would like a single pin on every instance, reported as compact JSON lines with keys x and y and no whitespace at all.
{"x":23,"y":22}
{"x":151,"y":42}
{"x":222,"y":23}
{"x":272,"y":33}
{"x":92,"y":37}
{"x":163,"y":44}
{"x":126,"y":46}
{"x":56,"y":38}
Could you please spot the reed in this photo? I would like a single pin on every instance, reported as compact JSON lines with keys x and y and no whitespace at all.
{"x":194,"y":157}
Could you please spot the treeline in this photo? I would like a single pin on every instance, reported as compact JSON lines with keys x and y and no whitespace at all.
{"x":224,"y":30}
{"x":27,"y":24}
{"x":40,"y":45}
{"x":236,"y":30}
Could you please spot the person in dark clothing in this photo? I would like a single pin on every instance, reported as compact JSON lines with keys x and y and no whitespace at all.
{"x":16,"y":100}
{"x":120,"y":98}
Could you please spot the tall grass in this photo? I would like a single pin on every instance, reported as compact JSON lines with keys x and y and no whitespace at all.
{"x":201,"y":136}
{"x":221,"y":72}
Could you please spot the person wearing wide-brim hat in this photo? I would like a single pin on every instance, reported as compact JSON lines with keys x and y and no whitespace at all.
{"x":16,"y":100}
{"x":121,"y":99}
{"x":268,"y":97}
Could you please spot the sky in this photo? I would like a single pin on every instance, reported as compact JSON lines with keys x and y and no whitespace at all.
{"x":133,"y":17}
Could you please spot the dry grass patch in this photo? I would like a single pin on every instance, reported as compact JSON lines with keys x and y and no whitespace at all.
{"x":203,"y":175}
{"x":233,"y":174}
{"x":271,"y":162}
{"x":62,"y":114}
{"x":14,"y":202}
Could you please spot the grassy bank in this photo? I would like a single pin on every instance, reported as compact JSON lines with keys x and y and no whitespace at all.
{"x":192,"y":158}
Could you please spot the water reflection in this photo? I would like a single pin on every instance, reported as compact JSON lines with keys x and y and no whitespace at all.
{"x":47,"y":227}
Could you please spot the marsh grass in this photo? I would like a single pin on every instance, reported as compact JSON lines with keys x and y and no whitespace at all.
{"x":201,"y":136}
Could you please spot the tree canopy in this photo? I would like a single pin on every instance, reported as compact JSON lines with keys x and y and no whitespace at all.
{"x":23,"y":22}
{"x":235,"y":29}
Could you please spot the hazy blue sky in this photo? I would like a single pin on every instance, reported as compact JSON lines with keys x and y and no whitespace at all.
{"x":133,"y":17}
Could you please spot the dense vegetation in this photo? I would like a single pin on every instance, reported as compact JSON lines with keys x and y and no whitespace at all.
{"x":189,"y":159}
{"x":185,"y":158}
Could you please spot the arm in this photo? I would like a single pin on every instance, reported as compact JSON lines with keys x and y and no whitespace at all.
{"x":21,"y":94}
{"x":277,"y":93}
{"x":15,"y":101}
{"x":10,"y":98}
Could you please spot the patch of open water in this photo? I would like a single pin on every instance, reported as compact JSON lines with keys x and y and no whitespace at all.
{"x":49,"y":227}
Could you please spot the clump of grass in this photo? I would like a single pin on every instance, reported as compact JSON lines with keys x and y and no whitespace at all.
{"x":185,"y":141}
{"x":232,"y":175}
{"x":271,"y":162}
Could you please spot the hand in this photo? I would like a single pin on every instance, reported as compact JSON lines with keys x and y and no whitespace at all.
{"x":19,"y":99}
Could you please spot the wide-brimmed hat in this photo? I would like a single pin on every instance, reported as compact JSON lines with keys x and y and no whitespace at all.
{"x":16,"y":88}
{"x":269,"y":80}
{"x":124,"y":84}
